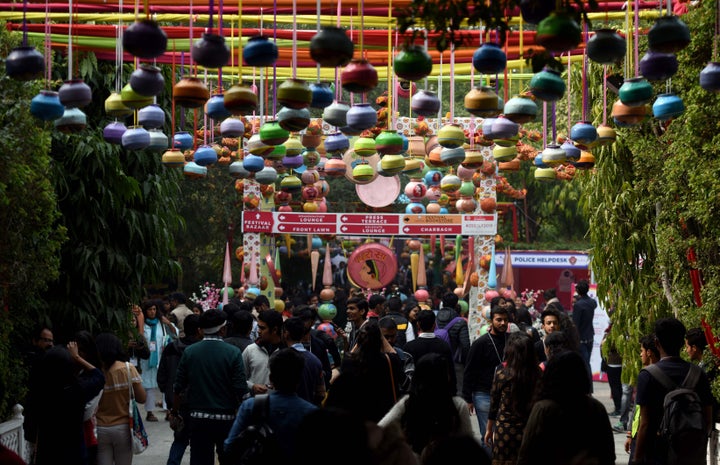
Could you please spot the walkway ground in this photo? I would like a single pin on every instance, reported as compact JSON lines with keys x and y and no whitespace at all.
{"x":161,"y":436}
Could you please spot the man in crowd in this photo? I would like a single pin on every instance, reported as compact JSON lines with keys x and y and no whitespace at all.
{"x":180,"y":310}
{"x":583,"y":314}
{"x":550,"y":320}
{"x":458,"y":333}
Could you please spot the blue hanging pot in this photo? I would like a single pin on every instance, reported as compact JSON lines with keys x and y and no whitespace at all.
{"x":520,"y":109}
{"x":452,"y":156}
{"x":158,"y":140}
{"x":182,"y":140}
{"x":151,"y":117}
{"x":253,"y":163}
{"x":710,"y":77}
{"x":547,"y":85}
{"x":606,"y":47}
{"x":668,"y":106}
{"x":583,"y":133}
{"x":260,"y":52}
{"x":72,"y":121}
{"x":572,"y":153}
{"x":25,"y":63}
{"x":210,"y":51}
{"x":205,"y":155}
{"x":669,"y":34}
{"x":113,"y":132}
{"x":232,"y":127}
{"x":336,"y":142}
{"x":489,"y":59}
{"x":194,"y":171}
{"x":537,"y":161}
{"x":503,"y":128}
{"x":147,"y":80}
{"x":144,"y":39}
{"x":336,"y":114}
{"x":46,"y":106}
{"x":266,"y":176}
{"x":361,"y":116}
{"x":636,"y":92}
{"x":136,"y":138}
{"x":215,"y":107}
{"x":322,"y":95}
{"x":658,"y":66}
{"x":292,"y":119}
{"x":292,"y":162}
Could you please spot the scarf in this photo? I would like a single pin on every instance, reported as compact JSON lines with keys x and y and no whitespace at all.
{"x":153,"y":362}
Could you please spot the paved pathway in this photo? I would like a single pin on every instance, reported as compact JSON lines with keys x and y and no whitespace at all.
{"x":160,"y":435}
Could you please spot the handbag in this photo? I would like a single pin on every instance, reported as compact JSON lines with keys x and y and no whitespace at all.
{"x":137,"y":430}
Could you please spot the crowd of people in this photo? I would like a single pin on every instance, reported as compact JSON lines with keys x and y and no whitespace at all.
{"x":395,"y":379}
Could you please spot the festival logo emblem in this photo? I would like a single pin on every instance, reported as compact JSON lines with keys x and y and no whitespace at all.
{"x":372,"y":266}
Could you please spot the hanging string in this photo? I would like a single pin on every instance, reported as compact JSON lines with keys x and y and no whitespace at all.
{"x":506,"y":88}
{"x":338,"y":89}
{"x":172,"y":109}
{"x":630,"y":39}
{"x":205,"y":117}
{"x":568,"y":93}
{"x":294,"y":40}
{"x":182,"y":73}
{"x":47,"y":49}
{"x":389,"y":65}
{"x":717,"y":30}
{"x":452,"y":83}
{"x":554,"y":123}
{"x":604,"y":94}
{"x":220,"y":33}
{"x":274,"y":110}
{"x":440,"y":93}
{"x":70,"y":50}
{"x":472,"y":116}
{"x":24,"y":24}
{"x":637,"y":33}
{"x":545,"y":125}
{"x":584,"y":76}
{"x":318,"y":10}
{"x":192,"y":24}
{"x":211,"y":7}
{"x":240,"y":38}
{"x":361,"y":9}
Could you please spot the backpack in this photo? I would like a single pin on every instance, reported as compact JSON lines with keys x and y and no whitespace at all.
{"x":682,"y":428}
{"x":444,"y":334}
{"x":256,"y":444}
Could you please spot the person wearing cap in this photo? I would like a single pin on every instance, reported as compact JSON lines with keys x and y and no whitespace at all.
{"x":212,"y":373}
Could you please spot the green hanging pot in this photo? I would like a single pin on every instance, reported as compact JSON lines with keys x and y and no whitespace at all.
{"x":558,"y":33}
{"x":636,"y":92}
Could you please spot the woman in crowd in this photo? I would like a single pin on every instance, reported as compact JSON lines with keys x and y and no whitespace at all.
{"x":157,"y":331}
{"x":513,"y":391}
{"x":411,"y":310}
{"x":113,"y":433}
{"x":430,"y":412}
{"x":56,"y":404}
{"x":566,"y":407}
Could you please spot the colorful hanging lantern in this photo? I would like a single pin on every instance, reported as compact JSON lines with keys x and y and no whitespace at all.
{"x":606,"y":47}
{"x":331,"y":47}
{"x":25,"y":63}
{"x":669,"y":34}
{"x":260,"y":52}
{"x":359,"y":76}
{"x":413,"y":63}
{"x":489,"y":59}
{"x":558,"y":33}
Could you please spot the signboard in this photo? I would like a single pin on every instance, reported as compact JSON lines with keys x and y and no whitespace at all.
{"x":368,"y":224}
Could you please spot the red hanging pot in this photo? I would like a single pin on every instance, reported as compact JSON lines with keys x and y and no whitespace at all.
{"x":359,"y":77}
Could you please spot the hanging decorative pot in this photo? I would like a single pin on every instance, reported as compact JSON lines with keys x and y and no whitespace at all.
{"x":363,"y":172}
{"x":606,"y":135}
{"x":489,"y":59}
{"x":144,"y":39}
{"x":558,"y":33}
{"x":260,"y":52}
{"x":425,"y":103}
{"x":237,"y":170}
{"x":232,"y":127}
{"x":534,"y":11}
{"x":331,"y":47}
{"x":658,"y":66}
{"x":547,"y":85}
{"x":361,"y":116}
{"x":210,"y":51}
{"x":520,"y":109}
{"x":606,"y":47}
{"x":46,"y":106}
{"x":392,"y":164}
{"x":503,"y":128}
{"x":113,"y":132}
{"x":413,"y":63}
{"x":364,"y":147}
{"x":74,"y":93}
{"x":572,"y":153}
{"x":625,"y":115}
{"x":451,"y":136}
{"x":388,"y":142}
{"x":136,"y":138}
{"x":240,"y":100}
{"x":205,"y":155}
{"x":151,"y":117}
{"x":253,"y":163}
{"x":668,"y":106}
{"x":190,"y":92}
{"x":322,"y":95}
{"x":669,"y":34}
{"x":147,"y":80}
{"x":482,"y":101}
{"x":710,"y":77}
{"x":473,"y":159}
{"x":292,"y":119}
{"x":586,"y":161}
{"x":450,"y":183}
{"x":636,"y":92}
{"x":311,"y":140}
{"x":335,"y":167}
{"x":432,"y":159}
{"x":215,"y":107}
{"x":132,"y":99}
{"x":182,"y":140}
{"x":452,"y":157}
{"x":271,"y":133}
{"x":294,"y":93}
{"x":115,"y":107}
{"x":359,"y":76}
{"x":537,"y":161}
{"x":192,"y":170}
{"x":545,"y":174}
{"x":173,"y":158}
{"x":266,"y":176}
{"x":336,"y":114}
{"x":512,"y":165}
{"x":277,"y":154}
{"x":25,"y":63}
{"x":413,"y":166}
{"x":583,"y":133}
{"x":501,"y":153}
{"x":293,"y":146}
{"x":311,"y":159}
{"x":158,"y":140}
{"x":416,"y":146}
{"x":336,"y":143}
{"x":258,"y":147}
{"x":405,"y":88}
{"x":553,"y":155}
